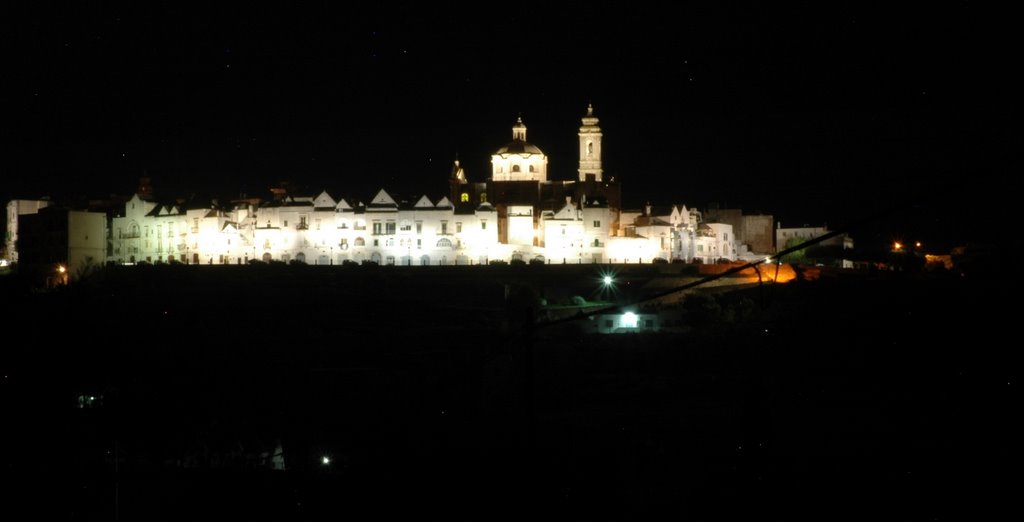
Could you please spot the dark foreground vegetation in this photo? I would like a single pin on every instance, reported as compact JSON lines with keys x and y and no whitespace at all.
{"x":179,"y":393}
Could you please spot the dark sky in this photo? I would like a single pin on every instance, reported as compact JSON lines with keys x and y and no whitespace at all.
{"x":810,"y":114}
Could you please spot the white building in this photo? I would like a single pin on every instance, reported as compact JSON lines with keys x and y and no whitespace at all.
{"x":15,"y":208}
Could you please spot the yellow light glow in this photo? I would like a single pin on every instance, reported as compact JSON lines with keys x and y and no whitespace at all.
{"x":917,"y":244}
{"x":61,"y":269}
{"x":897,"y":245}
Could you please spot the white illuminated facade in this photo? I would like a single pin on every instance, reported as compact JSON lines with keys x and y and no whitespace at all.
{"x":320,"y":231}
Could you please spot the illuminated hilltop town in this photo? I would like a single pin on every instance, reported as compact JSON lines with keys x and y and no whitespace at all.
{"x":517,"y":214}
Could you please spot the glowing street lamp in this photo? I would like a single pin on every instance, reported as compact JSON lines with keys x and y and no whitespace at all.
{"x":607,"y":280}
{"x":897,"y":246}
{"x":325,"y":460}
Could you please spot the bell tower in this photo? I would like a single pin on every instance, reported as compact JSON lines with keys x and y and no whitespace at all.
{"x":590,"y":147}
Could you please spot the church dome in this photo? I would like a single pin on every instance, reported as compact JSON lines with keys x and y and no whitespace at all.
{"x":519,"y":147}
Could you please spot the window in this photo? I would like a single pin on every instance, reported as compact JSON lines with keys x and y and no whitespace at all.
{"x":725,"y":237}
{"x":532,"y":169}
{"x":590,"y":148}
{"x":700,"y":248}
{"x":458,"y":228}
{"x":286,"y":222}
{"x":419,"y":227}
{"x":483,"y":225}
{"x":444,"y":243}
{"x":376,"y":242}
{"x":597,"y":224}
{"x":360,"y":242}
{"x":419,"y":243}
{"x":389,"y":227}
{"x":170,"y":230}
{"x":464,"y":197}
{"x":406,"y":226}
{"x":444,"y":227}
{"x":483,"y":197}
{"x":344,"y":243}
{"x":515,"y":168}
{"x":376,"y":228}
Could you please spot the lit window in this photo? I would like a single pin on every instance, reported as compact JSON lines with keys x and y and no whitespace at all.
{"x":629,"y":320}
{"x":483,"y":197}
{"x":464,"y":197}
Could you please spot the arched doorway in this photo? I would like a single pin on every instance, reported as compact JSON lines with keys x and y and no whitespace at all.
{"x":425,"y":260}
{"x":267,"y":257}
{"x":375,"y":257}
{"x":300,"y":258}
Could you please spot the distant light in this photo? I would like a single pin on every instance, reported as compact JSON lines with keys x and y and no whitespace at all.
{"x":3,"y":262}
{"x":630,"y":320}
{"x":768,"y":259}
{"x":897,"y":245}
{"x":607,"y":280}
{"x":61,"y":269}
{"x":325,"y":460}
{"x":917,"y":244}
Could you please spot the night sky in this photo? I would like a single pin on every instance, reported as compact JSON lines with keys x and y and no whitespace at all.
{"x":811,"y":115}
